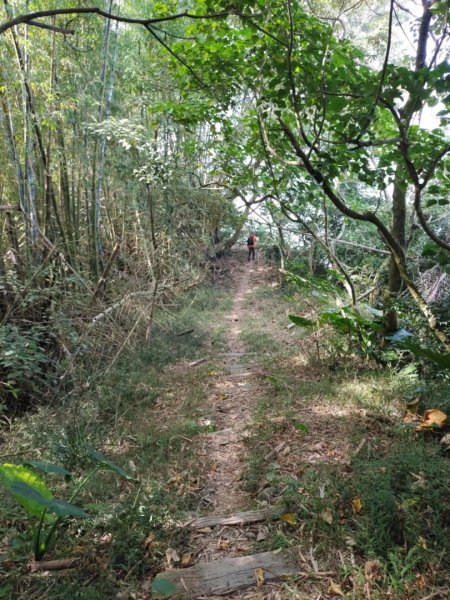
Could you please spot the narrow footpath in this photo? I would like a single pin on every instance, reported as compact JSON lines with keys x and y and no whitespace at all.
{"x":222,"y":540}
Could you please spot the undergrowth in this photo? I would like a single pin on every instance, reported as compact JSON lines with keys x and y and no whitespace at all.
{"x":377,"y":518}
{"x":126,"y":412}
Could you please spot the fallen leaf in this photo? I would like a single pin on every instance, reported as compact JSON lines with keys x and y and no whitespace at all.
{"x":335,"y":589}
{"x":432,"y":418}
{"x":259,"y":574}
{"x":420,"y":581}
{"x":186,"y":559}
{"x":106,"y":538}
{"x":327,"y":516}
{"x":445,"y":441}
{"x":172,"y":556}
{"x":356,"y":504}
{"x":420,"y":482}
{"x":371,"y":569}
{"x":149,"y":541}
{"x":410,"y":417}
{"x":289,"y":518}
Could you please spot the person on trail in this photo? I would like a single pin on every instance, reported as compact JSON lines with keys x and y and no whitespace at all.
{"x":251,"y":245}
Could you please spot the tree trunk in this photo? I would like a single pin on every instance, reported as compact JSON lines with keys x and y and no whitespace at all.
{"x":398,"y":228}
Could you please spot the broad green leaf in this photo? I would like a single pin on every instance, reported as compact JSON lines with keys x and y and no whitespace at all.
{"x":12,"y":475}
{"x":100,"y":458}
{"x":48,"y":467}
{"x":443,"y":360}
{"x":59,"y":507}
{"x":163,"y":586}
{"x":301,"y":321}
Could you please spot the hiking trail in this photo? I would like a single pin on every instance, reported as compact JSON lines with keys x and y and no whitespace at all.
{"x":221,"y":541}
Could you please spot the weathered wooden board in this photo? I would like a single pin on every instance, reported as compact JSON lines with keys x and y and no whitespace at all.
{"x":239,"y":518}
{"x":198,"y":362}
{"x":225,"y":576}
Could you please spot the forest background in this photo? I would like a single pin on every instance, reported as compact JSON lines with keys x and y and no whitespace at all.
{"x":141,"y":141}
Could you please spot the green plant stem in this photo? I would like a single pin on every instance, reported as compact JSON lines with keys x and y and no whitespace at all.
{"x":59,"y":519}
{"x":37,"y":538}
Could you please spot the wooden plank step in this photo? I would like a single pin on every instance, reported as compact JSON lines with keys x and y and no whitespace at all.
{"x":239,"y":518}
{"x":243,"y":373}
{"x":225,"y":576}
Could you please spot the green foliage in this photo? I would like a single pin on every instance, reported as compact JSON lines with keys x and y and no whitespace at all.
{"x":37,"y":499}
{"x":23,"y":363}
{"x":361,"y":332}
{"x":13,"y":474}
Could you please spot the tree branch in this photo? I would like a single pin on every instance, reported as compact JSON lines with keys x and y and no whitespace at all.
{"x":30,"y":18}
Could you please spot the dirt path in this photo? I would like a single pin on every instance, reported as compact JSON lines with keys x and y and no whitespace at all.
{"x":231,"y":406}
{"x":222,"y":552}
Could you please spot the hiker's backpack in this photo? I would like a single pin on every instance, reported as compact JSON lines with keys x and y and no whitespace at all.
{"x":250,"y":241}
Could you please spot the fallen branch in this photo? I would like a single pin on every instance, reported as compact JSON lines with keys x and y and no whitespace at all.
{"x":198,"y":362}
{"x":53,"y":565}
{"x":125,"y":299}
{"x":361,"y":445}
{"x":185,"y":332}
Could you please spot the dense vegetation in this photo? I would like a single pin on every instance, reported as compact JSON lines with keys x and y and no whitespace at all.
{"x":140,"y":141}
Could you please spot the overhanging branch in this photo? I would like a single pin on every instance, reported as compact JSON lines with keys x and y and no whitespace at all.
{"x":32,"y":18}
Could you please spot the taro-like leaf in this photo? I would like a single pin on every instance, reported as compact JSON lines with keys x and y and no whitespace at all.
{"x":100,"y":458}
{"x":12,"y":475}
{"x":59,"y":507}
{"x":47,"y":467}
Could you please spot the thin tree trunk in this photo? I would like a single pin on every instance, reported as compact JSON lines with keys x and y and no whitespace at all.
{"x":399,"y":212}
{"x":105,"y":110}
